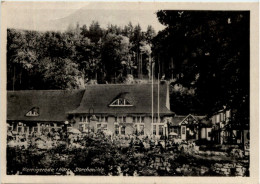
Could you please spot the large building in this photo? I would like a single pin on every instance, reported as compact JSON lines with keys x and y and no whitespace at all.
{"x":226,"y":131}
{"x":33,"y":110}
{"x":119,"y":109}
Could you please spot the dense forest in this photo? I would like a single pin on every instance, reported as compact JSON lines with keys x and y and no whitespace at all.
{"x":70,"y":59}
{"x":204,"y":53}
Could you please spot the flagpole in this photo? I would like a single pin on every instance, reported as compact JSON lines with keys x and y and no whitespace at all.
{"x":158,"y":103}
{"x":152,"y":94}
{"x":159,"y":70}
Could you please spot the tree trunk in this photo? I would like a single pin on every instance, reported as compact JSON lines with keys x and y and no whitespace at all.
{"x":141,"y":66}
{"x":14,"y":78}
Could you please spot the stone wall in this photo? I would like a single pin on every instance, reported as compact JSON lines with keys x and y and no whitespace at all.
{"x":229,"y":169}
{"x":160,"y":163}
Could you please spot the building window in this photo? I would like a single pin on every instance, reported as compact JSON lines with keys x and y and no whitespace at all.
{"x":124,"y":119}
{"x":81,"y":127}
{"x":138,"y":119}
{"x":30,"y":130}
{"x":209,"y":134}
{"x":33,"y":112}
{"x":154,"y":129}
{"x":19,"y":129}
{"x":120,"y":103}
{"x":141,"y":129}
{"x":171,"y":129}
{"x":183,"y":130}
{"x":123,"y":130}
{"x":142,"y":119}
{"x":83,"y":119}
{"x":160,"y":129}
{"x":221,"y":117}
{"x":98,"y":127}
{"x":101,"y":127}
{"x":175,"y":130}
{"x":105,"y":126}
{"x":26,"y":129}
{"x":135,"y":129}
{"x":35,"y":129}
{"x":134,"y":119}
{"x":161,"y":119}
{"x":116,"y":129}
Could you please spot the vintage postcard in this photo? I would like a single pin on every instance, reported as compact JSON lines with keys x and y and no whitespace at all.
{"x":129,"y":92}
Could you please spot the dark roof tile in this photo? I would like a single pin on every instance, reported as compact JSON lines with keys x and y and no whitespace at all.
{"x":99,"y":97}
{"x":55,"y":104}
{"x":52,"y":104}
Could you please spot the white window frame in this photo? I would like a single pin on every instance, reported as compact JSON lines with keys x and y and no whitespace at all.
{"x":120,"y":128}
{"x":84,"y":125}
{"x":138,"y":125}
{"x":154,"y":129}
{"x":119,"y":132}
{"x":163,"y":129}
{"x":115,"y":103}
{"x":83,"y":119}
{"x":157,"y":128}
{"x":138,"y":119}
{"x":33,"y":129}
{"x":32,"y":113}
{"x":101,"y":126}
{"x":134,"y":119}
{"x":20,"y":125}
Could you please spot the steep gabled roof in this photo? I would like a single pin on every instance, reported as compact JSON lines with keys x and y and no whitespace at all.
{"x":124,"y":96}
{"x":55,"y":105}
{"x":179,"y":119}
{"x":99,"y":97}
{"x":52,"y":104}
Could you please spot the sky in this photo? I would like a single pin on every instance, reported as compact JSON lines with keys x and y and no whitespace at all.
{"x":43,"y":16}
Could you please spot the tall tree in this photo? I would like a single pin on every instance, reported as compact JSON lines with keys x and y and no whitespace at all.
{"x":150,"y":34}
{"x":208,"y":56}
{"x":115,"y":50}
{"x":95,"y":32}
{"x":60,"y":73}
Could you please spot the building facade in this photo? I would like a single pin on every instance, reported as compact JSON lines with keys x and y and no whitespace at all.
{"x":190,"y":127}
{"x":124,"y":109}
{"x":117,"y":109}
{"x":225,"y":131}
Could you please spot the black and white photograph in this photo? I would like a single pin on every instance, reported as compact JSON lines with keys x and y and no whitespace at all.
{"x":138,"y":91}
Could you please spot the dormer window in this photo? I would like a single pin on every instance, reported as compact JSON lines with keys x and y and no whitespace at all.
{"x":33,"y":112}
{"x":120,"y":102}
